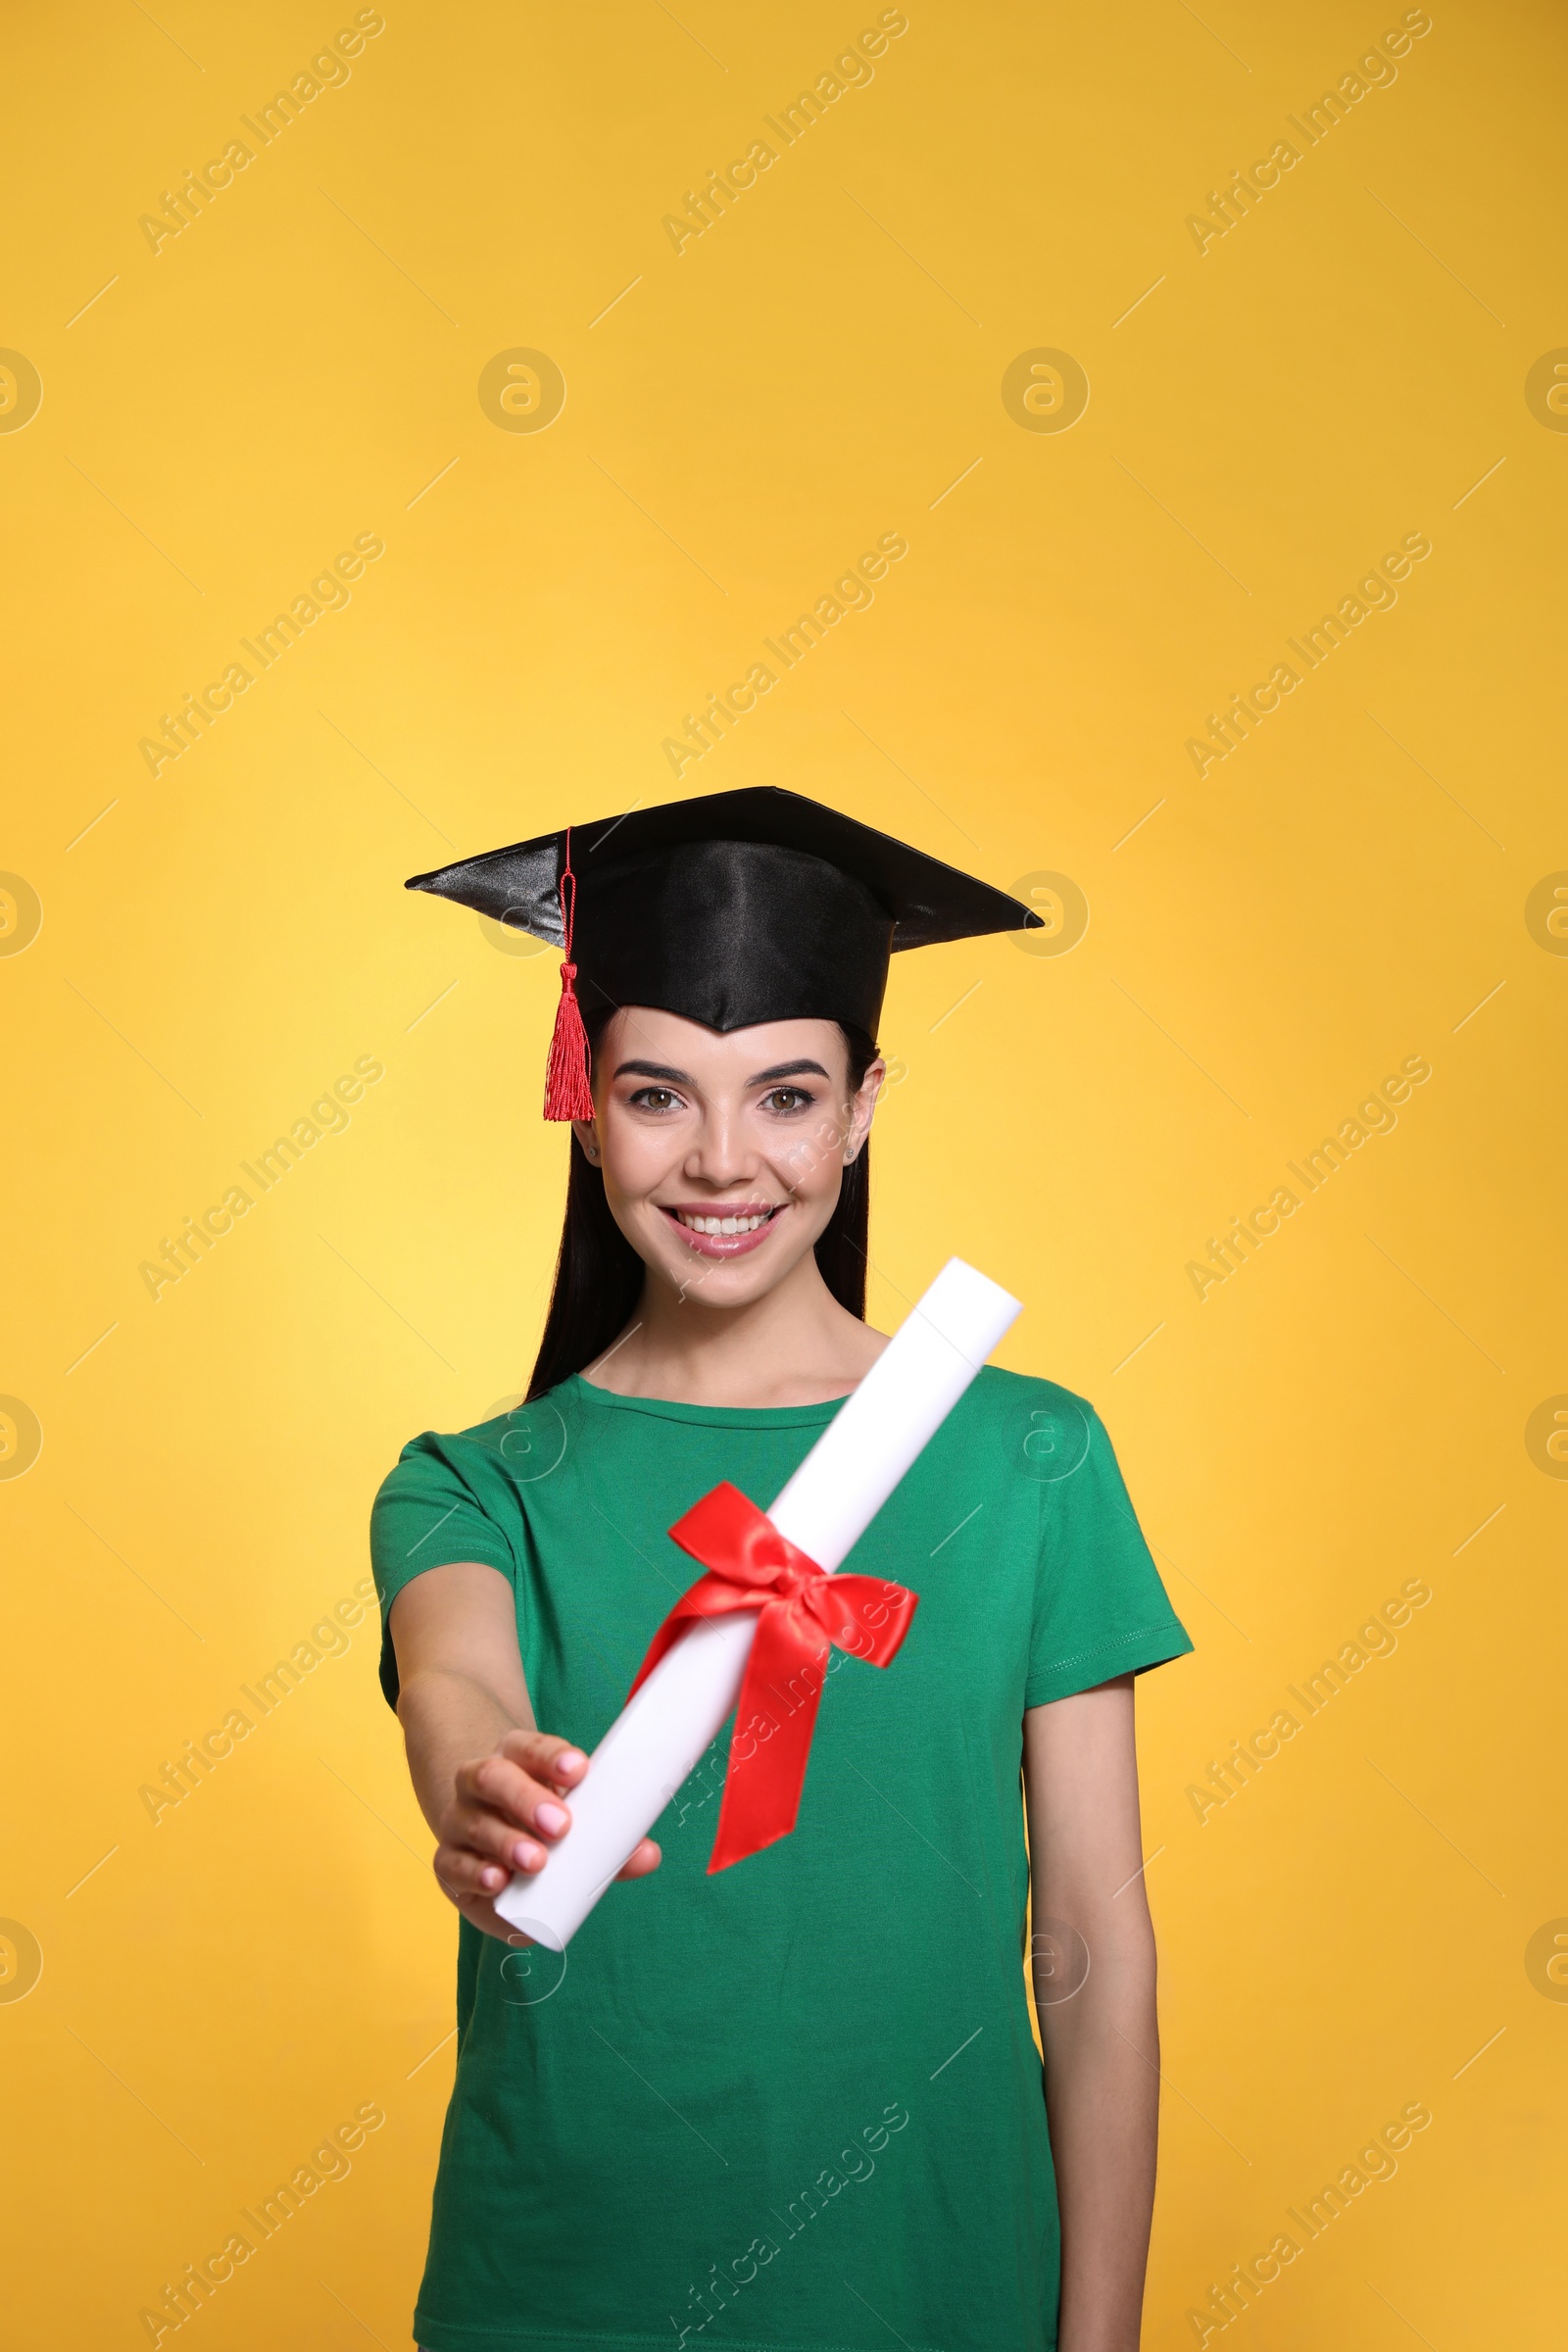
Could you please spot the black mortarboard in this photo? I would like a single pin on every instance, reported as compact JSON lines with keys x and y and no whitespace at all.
{"x":732,"y":910}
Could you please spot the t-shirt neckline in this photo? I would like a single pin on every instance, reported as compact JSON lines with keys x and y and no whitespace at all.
{"x":707,"y":1416}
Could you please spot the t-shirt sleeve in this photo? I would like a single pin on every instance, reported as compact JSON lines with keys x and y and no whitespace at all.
{"x":431,"y":1511}
{"x":1100,"y":1608}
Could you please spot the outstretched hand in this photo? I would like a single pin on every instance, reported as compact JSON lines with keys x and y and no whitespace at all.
{"x":506,"y":1812}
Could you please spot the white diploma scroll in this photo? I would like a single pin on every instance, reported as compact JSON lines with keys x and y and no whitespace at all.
{"x":824,"y":1510}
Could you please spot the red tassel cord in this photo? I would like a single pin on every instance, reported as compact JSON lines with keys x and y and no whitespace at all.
{"x":567,"y":1091}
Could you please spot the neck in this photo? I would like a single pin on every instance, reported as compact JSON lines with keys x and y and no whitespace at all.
{"x":794,"y":1345}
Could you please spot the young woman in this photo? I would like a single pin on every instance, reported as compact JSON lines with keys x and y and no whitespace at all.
{"x":797,"y":2104}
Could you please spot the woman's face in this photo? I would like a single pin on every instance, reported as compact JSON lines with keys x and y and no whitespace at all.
{"x":722,"y":1156}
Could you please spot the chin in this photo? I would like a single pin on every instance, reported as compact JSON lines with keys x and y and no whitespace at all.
{"x":726,"y":1282}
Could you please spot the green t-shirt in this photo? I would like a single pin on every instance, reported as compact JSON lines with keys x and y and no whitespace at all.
{"x":796,"y":2105}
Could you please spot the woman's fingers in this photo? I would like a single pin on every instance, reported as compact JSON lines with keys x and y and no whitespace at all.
{"x":509,"y":1813}
{"x":499,"y":1785}
{"x":495,"y":1829}
{"x":494,"y":1861}
{"x":517,"y":1789}
{"x":476,"y":1872}
{"x":464,"y":1873}
{"x":460,"y":1872}
{"x":493,"y":1839}
{"x":544,"y":1756}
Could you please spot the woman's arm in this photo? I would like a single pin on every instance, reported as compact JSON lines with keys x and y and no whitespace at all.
{"x":489,"y":1783}
{"x":1098,"y":2032}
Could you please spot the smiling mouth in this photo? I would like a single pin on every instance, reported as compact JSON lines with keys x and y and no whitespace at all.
{"x":725,"y":1232}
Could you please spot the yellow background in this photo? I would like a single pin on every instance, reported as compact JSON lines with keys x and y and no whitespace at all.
{"x":300,"y":366}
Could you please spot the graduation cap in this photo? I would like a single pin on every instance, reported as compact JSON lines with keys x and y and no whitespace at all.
{"x":731,"y":910}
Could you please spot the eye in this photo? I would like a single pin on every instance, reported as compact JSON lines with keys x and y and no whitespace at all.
{"x":655,"y":1099}
{"x":782,"y":1100}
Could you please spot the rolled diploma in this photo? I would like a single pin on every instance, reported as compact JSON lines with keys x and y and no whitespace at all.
{"x":825,"y":1509}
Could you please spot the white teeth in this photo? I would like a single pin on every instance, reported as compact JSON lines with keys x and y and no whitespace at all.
{"x":723,"y":1225}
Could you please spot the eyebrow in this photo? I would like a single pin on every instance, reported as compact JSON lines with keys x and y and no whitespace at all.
{"x":787,"y":1069}
{"x":666,"y":1076}
{"x":652,"y":1069}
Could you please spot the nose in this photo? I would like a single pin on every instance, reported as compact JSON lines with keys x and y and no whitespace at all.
{"x":723,"y":1154}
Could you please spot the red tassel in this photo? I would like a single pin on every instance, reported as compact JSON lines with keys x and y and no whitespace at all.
{"x":567,"y":1095}
{"x":566,"y":1089}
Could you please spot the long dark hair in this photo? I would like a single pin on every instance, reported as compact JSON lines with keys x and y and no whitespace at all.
{"x":598,"y":1275}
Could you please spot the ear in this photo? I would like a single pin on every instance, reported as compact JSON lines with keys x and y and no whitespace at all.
{"x":863,"y":1108}
{"x":587,"y":1133}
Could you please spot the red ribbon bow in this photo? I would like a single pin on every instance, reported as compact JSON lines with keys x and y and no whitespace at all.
{"x":803,"y":1612}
